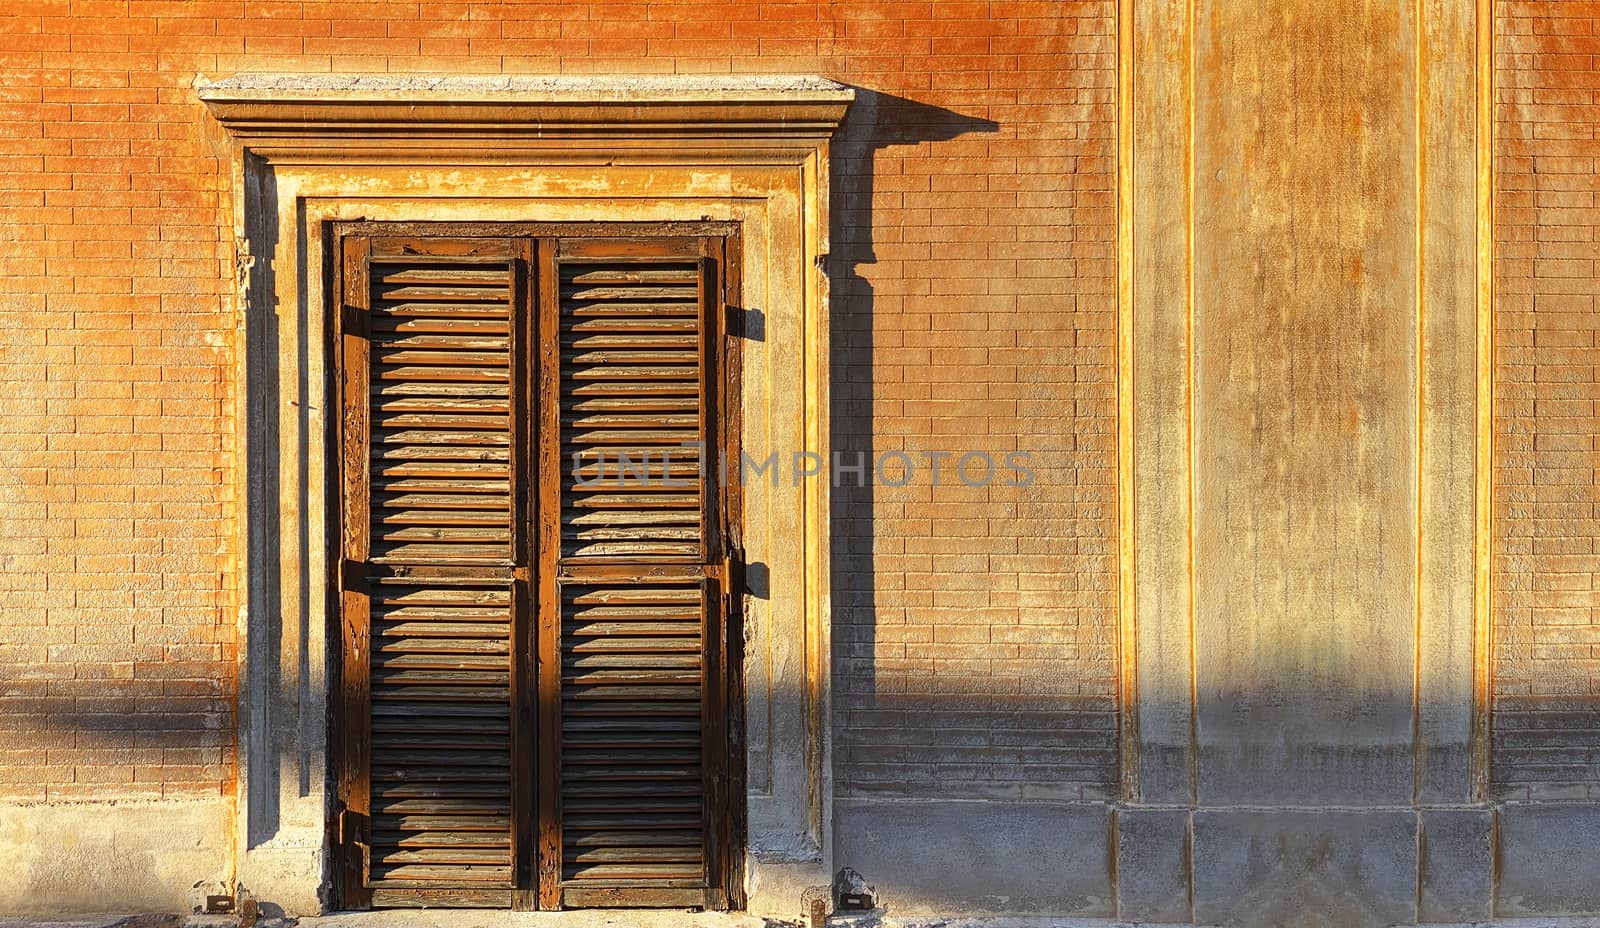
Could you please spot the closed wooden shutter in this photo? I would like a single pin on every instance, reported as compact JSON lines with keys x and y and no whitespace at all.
{"x":638,"y":331}
{"x":535,"y":572}
{"x":434,"y":570}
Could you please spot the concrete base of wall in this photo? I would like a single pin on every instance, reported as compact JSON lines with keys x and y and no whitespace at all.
{"x":1549,"y":859}
{"x":1224,"y":866}
{"x":1330,"y":869}
{"x":781,"y":889}
{"x":933,"y":858}
{"x":125,"y":856}
{"x":288,"y":875}
{"x":945,"y":859}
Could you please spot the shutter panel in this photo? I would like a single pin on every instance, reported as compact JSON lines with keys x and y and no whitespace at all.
{"x":638,"y":593}
{"x":436,"y":557}
{"x":632,"y":344}
{"x":633,"y":787}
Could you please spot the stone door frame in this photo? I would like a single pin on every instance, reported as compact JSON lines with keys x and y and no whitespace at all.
{"x":311,"y":150}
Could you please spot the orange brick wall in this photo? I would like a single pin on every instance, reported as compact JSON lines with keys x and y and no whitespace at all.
{"x":974,"y":311}
{"x":1546,"y":667}
{"x":116,"y":642}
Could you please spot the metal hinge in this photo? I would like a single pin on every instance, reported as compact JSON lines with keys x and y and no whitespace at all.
{"x":352,"y":827}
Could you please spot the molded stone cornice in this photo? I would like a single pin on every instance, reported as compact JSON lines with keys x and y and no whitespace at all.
{"x":511,"y":117}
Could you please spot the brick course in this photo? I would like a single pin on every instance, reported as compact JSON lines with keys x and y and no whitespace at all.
{"x":974,"y":310}
{"x":1546,"y":666}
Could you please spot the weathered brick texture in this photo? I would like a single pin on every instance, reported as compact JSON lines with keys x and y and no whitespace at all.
{"x":1546,"y":668}
{"x":116,"y":647}
{"x":974,"y":312}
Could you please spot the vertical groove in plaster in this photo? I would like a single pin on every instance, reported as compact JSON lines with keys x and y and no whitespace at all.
{"x":1483,"y":619}
{"x":1128,"y":629}
{"x":1422,"y":862}
{"x":1189,"y":91}
{"x":1495,"y":859}
{"x":1113,"y":827}
{"x":1188,"y":861}
{"x":1420,"y":98}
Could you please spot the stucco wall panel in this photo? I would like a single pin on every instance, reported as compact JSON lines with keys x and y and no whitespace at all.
{"x":1305,"y":400}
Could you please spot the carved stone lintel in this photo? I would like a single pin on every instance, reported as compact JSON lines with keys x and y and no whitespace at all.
{"x":659,"y":118}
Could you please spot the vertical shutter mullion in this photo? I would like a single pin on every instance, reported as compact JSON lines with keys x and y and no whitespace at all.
{"x":355,"y":782}
{"x":547,"y":518}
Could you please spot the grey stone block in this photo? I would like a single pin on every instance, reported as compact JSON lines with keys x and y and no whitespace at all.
{"x":936,"y":858}
{"x":1549,"y":860}
{"x":1456,"y":868}
{"x":1310,"y":869}
{"x":1165,"y":771}
{"x":1153,"y":865}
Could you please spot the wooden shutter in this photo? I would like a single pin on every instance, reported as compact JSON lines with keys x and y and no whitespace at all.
{"x":433,"y":573}
{"x":635,"y":660}
{"x":535,"y":704}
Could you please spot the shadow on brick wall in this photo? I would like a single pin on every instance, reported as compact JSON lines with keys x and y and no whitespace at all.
{"x":868,"y":706}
